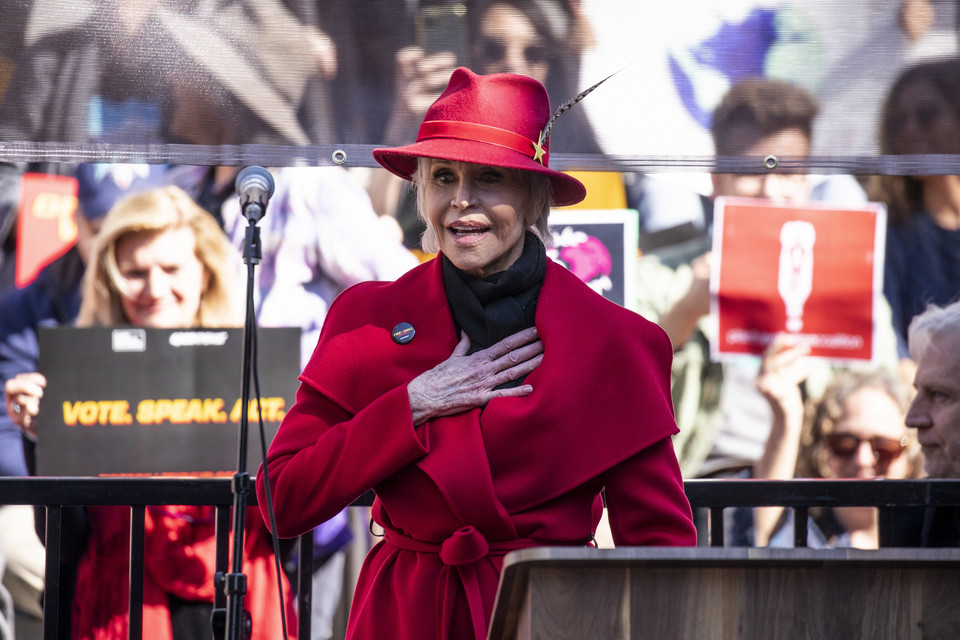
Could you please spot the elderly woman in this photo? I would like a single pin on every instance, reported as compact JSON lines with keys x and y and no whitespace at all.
{"x":159,"y":260}
{"x":543,"y":39}
{"x":487,"y":396}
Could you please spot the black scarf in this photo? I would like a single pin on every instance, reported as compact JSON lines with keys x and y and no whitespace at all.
{"x":490,"y":309}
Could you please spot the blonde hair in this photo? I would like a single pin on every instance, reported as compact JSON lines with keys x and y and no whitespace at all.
{"x":538,"y":186}
{"x":823,"y":416}
{"x":158,"y":210}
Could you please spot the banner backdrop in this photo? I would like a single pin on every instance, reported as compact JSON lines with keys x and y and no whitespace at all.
{"x":292,"y":81}
{"x":812,"y":271}
{"x":133,"y":402}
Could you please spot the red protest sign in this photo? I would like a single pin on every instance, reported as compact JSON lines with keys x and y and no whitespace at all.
{"x":46,"y":226}
{"x":814,"y":271}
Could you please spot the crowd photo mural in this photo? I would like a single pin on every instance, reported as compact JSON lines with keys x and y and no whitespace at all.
{"x":762,"y":180}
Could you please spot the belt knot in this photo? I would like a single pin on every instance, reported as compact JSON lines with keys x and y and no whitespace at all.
{"x":465,"y":546}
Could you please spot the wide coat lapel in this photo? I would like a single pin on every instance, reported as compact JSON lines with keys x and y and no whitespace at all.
{"x":357,"y":360}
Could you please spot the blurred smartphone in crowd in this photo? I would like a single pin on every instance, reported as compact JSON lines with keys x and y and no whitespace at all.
{"x":443,"y":28}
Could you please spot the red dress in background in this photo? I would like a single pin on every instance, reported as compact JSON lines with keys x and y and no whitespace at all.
{"x":179,"y":559}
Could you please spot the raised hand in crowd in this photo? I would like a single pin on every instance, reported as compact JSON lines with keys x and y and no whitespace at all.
{"x":23,"y":393}
{"x":782,"y":370}
{"x":420,"y":79}
{"x":680,"y":321}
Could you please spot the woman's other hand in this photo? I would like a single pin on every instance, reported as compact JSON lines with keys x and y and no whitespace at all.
{"x":463,"y":382}
{"x":23,"y":393}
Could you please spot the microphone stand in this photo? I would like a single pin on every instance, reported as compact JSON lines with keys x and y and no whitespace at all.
{"x":239,"y":625}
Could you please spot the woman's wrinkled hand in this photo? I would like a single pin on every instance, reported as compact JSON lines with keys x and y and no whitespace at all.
{"x":23,"y":393}
{"x":463,"y":382}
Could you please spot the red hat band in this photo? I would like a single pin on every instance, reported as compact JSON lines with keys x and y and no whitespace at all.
{"x":483,"y":133}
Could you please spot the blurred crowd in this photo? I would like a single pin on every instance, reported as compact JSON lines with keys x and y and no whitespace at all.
{"x":161,"y":245}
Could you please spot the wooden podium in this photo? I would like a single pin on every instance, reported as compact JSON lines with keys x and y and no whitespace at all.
{"x":719,"y":593}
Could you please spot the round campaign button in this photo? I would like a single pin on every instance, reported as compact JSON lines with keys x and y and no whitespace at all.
{"x":403,"y":333}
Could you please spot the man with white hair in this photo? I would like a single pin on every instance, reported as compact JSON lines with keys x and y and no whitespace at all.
{"x":934,"y":341}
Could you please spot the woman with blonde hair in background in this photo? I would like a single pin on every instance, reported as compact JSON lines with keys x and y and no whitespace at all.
{"x":153,"y":220}
{"x":160,"y":261}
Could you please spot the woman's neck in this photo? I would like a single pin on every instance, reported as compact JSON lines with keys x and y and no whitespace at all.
{"x":941,"y":197}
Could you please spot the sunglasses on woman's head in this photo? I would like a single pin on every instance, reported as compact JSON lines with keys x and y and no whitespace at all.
{"x":494,"y":50}
{"x":885,"y":450}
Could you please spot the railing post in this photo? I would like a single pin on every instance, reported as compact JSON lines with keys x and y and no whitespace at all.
{"x":716,"y":527}
{"x":305,"y":585}
{"x":885,"y":523}
{"x":801,"y":516}
{"x":135,"y":626}
{"x":51,"y":580}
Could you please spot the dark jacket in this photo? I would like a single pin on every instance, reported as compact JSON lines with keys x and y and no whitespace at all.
{"x":52,"y":299}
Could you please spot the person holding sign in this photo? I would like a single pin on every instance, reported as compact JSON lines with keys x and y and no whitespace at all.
{"x":458,"y":392}
{"x":159,"y":260}
{"x":855,"y":430}
{"x":724,"y":421}
{"x":51,"y":299}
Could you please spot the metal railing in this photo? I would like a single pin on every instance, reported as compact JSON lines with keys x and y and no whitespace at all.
{"x":712,"y":495}
{"x":800,"y":495}
{"x":138,"y":493}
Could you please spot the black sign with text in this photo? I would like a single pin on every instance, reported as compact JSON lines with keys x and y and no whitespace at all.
{"x":130,"y":401}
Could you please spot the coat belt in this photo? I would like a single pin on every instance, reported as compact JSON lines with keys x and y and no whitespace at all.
{"x":459,"y":553}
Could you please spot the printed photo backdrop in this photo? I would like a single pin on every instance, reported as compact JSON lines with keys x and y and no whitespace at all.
{"x":293,"y":81}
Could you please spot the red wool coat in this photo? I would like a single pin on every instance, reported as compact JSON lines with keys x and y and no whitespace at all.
{"x":457,"y":493}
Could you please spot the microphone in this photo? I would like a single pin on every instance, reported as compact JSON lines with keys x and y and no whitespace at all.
{"x":255,"y":186}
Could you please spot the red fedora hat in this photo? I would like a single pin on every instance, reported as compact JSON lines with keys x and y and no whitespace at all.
{"x":493,"y":120}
